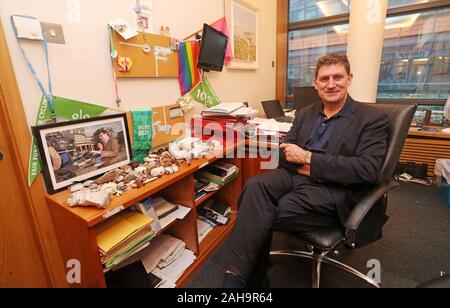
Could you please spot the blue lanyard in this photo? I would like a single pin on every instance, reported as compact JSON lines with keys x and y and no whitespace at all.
{"x":48,"y":95}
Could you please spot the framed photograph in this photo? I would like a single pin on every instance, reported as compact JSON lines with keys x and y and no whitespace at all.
{"x":243,"y":20}
{"x":76,"y":151}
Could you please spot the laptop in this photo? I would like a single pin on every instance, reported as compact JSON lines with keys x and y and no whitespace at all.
{"x":274,"y":110}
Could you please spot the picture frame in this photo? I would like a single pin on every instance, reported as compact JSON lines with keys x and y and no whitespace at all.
{"x":243,"y":20}
{"x":76,"y":151}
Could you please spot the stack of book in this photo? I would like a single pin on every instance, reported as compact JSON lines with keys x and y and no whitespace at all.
{"x":122,"y":236}
{"x":219,"y":172}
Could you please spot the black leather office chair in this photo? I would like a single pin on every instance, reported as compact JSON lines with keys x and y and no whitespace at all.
{"x":323,"y":241}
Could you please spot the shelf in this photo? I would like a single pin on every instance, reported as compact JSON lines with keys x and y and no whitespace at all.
{"x":217,"y":235}
{"x":92,"y":216}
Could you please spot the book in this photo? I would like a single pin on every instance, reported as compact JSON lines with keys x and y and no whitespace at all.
{"x":213,"y":216}
{"x":163,"y":207}
{"x":229,"y":168}
{"x":218,"y":207}
{"x":200,"y":185}
{"x":221,"y":181}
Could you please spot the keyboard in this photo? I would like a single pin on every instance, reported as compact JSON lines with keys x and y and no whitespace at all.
{"x":285,"y":119}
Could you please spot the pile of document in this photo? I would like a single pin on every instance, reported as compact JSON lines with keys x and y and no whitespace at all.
{"x":168,"y":259}
{"x":203,"y":229}
{"x":161,"y":211}
{"x":235,"y":110}
{"x":122,"y":236}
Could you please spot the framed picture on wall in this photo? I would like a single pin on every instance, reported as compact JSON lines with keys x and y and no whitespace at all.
{"x":243,"y":20}
{"x":76,"y":151}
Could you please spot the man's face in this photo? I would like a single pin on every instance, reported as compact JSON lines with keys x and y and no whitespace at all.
{"x":103,"y":137}
{"x":332,"y":83}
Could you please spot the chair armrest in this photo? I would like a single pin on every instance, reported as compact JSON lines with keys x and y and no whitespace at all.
{"x":360,"y":211}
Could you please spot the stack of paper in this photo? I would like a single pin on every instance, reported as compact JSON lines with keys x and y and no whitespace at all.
{"x":122,"y":236}
{"x":174,"y":272}
{"x":235,"y":110}
{"x":271,"y":125}
{"x":203,"y":229}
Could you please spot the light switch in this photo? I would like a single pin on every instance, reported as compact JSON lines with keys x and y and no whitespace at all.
{"x":28,"y":28}
{"x":54,"y":33}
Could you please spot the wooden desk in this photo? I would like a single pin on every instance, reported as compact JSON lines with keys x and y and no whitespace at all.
{"x":75,"y":227}
{"x":426,"y":147}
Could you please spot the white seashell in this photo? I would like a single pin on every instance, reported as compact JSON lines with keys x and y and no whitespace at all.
{"x":88,"y":183}
{"x":140,"y":170}
{"x":76,"y":187}
{"x":158,"y":172}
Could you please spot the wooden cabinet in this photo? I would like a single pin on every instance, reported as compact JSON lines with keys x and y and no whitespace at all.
{"x":426,"y":148}
{"x":75,"y":227}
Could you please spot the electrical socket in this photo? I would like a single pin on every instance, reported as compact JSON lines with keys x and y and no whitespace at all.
{"x":54,"y":33}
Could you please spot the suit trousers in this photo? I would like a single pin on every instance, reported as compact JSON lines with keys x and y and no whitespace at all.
{"x":275,"y":201}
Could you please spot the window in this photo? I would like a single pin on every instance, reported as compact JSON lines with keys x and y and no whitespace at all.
{"x":416,"y":56}
{"x":305,"y":47}
{"x":402,"y":3}
{"x":416,"y":53}
{"x":301,"y":10}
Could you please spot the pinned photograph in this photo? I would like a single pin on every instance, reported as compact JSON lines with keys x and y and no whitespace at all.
{"x":76,"y":151}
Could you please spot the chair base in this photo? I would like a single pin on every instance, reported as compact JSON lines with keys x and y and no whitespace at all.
{"x":318,"y":260}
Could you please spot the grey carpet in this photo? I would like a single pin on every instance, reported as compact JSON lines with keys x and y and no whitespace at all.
{"x":415,"y":248}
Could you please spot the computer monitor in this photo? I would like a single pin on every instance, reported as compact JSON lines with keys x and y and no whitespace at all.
{"x":213,"y":49}
{"x":305,"y":96}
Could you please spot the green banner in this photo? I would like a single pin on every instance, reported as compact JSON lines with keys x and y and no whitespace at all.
{"x":204,"y":94}
{"x":143,"y":133}
{"x":66,"y":110}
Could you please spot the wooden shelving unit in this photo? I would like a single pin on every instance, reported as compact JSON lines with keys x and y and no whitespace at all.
{"x":426,"y":147}
{"x":75,"y":227}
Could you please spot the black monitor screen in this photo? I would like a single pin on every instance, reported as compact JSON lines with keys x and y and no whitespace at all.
{"x":305,"y":96}
{"x":213,"y":49}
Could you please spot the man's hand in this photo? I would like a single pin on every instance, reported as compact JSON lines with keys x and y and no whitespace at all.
{"x":294,"y":154}
{"x":100,"y":147}
{"x":305,"y":170}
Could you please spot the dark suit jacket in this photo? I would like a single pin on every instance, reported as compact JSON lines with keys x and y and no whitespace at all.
{"x":354,"y":158}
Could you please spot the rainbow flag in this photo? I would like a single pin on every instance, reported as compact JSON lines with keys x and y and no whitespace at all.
{"x":188,"y":73}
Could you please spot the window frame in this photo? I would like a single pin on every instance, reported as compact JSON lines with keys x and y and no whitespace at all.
{"x":284,"y":27}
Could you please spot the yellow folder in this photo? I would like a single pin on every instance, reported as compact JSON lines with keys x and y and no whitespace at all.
{"x":119,"y":228}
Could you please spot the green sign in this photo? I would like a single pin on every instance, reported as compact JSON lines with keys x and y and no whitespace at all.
{"x":66,"y":110}
{"x":204,"y":94}
{"x":143,"y":133}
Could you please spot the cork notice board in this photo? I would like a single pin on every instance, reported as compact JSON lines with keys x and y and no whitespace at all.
{"x":164,"y":120}
{"x":162,"y":63}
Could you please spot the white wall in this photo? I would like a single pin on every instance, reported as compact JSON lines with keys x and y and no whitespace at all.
{"x":81,"y":69}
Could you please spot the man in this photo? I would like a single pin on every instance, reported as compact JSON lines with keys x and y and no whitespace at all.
{"x":330,"y":158}
{"x":108,"y":148}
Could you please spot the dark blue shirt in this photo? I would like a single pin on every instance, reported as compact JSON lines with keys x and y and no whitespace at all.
{"x":323,"y":130}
